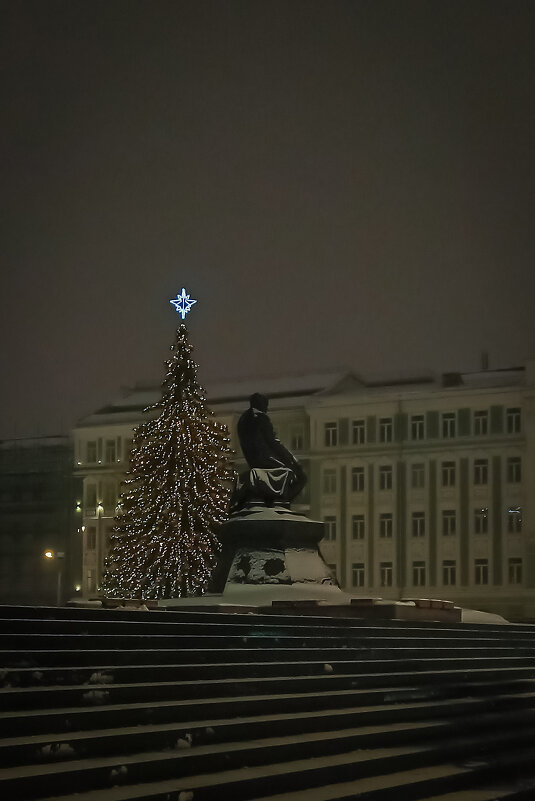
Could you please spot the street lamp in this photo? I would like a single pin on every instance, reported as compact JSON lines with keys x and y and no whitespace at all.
{"x":59,"y":555}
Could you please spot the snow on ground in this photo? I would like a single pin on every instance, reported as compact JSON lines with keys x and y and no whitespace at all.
{"x":474,"y":616}
{"x":85,"y":603}
{"x":263,"y":594}
{"x":248,"y":595}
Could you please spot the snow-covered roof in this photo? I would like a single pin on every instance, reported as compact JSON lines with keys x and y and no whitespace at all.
{"x":272,"y":386}
{"x":285,"y":390}
{"x":513,"y":376}
{"x":222,"y":393}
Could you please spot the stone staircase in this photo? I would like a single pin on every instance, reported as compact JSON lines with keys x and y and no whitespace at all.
{"x":112,"y":705}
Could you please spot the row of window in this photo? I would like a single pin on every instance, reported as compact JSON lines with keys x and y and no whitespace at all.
{"x":448,"y":475}
{"x":449,"y":572}
{"x":108,"y":496}
{"x":105,"y":452}
{"x":417,"y":427}
{"x":91,"y":538}
{"x":448,"y":523}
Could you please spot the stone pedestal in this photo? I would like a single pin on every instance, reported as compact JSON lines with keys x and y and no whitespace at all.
{"x":270,"y":546}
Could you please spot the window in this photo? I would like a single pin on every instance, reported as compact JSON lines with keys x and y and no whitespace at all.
{"x":385,"y":574}
{"x":448,"y":425}
{"x":359,"y":432}
{"x":297,"y":438}
{"x":417,"y":426}
{"x":91,"y":538}
{"x":515,"y":570}
{"x":358,"y":574}
{"x":514,"y":470}
{"x":385,"y":429}
{"x":449,"y":572}
{"x":91,"y":495}
{"x":481,"y":472}
{"x":481,"y":423}
{"x":329,"y":482}
{"x":358,"y":527}
{"x":481,"y":521}
{"x":385,"y":477}
{"x":385,"y":526}
{"x":448,"y":474}
{"x":449,"y":522}
{"x":110,"y":452}
{"x":91,"y":452}
{"x":357,"y":479}
{"x":418,"y":524}
{"x":513,"y":420}
{"x":91,"y":581}
{"x":331,"y":435}
{"x":481,"y":571}
{"x":330,"y":528}
{"x":417,"y":476}
{"x":110,"y":496}
{"x":418,"y":574}
{"x":514,"y":520}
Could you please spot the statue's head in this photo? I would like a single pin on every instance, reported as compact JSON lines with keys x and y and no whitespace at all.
{"x":259,"y":402}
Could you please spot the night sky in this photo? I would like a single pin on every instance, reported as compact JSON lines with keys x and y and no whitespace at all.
{"x":339,"y":184}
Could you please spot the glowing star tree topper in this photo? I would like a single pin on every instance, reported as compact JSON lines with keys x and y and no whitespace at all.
{"x":183,"y":303}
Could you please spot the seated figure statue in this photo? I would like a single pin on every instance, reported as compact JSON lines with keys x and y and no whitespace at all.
{"x":275,"y":476}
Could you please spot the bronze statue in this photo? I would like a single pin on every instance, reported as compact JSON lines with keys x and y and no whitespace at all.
{"x":275,"y":476}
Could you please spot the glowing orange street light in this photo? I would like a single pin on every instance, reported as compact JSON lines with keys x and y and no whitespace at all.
{"x":59,"y":555}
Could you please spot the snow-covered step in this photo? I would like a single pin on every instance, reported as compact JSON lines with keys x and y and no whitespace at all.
{"x":100,"y":713}
{"x":180,"y":641}
{"x":381,"y":772}
{"x":108,"y":689}
{"x":408,"y":785}
{"x":104,"y":688}
{"x":510,"y":789}
{"x":58,"y":747}
{"x":80,"y":657}
{"x":225,"y":621}
{"x":207,"y":629}
{"x":35,"y":780}
{"x":220,"y":619}
{"x":110,"y":673}
{"x":503,"y":779}
{"x":106,"y":715}
{"x":130,"y":626}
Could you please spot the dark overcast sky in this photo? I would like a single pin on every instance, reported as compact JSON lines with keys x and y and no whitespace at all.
{"x":337,"y":183}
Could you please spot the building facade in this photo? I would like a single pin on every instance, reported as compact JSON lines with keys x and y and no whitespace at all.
{"x":38,"y":513}
{"x":425,"y":485}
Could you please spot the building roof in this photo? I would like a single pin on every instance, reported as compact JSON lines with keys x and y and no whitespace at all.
{"x":279,"y":389}
{"x":290,"y":390}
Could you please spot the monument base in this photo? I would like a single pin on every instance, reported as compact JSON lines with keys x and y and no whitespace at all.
{"x":270,"y":546}
{"x":270,"y":563}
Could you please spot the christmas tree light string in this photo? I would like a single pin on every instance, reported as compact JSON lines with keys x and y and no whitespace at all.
{"x":176,"y":492}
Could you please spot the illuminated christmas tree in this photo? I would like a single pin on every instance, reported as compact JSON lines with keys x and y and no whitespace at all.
{"x":176,"y":492}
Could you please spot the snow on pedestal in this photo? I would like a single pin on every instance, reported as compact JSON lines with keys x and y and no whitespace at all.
{"x":270,"y":546}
